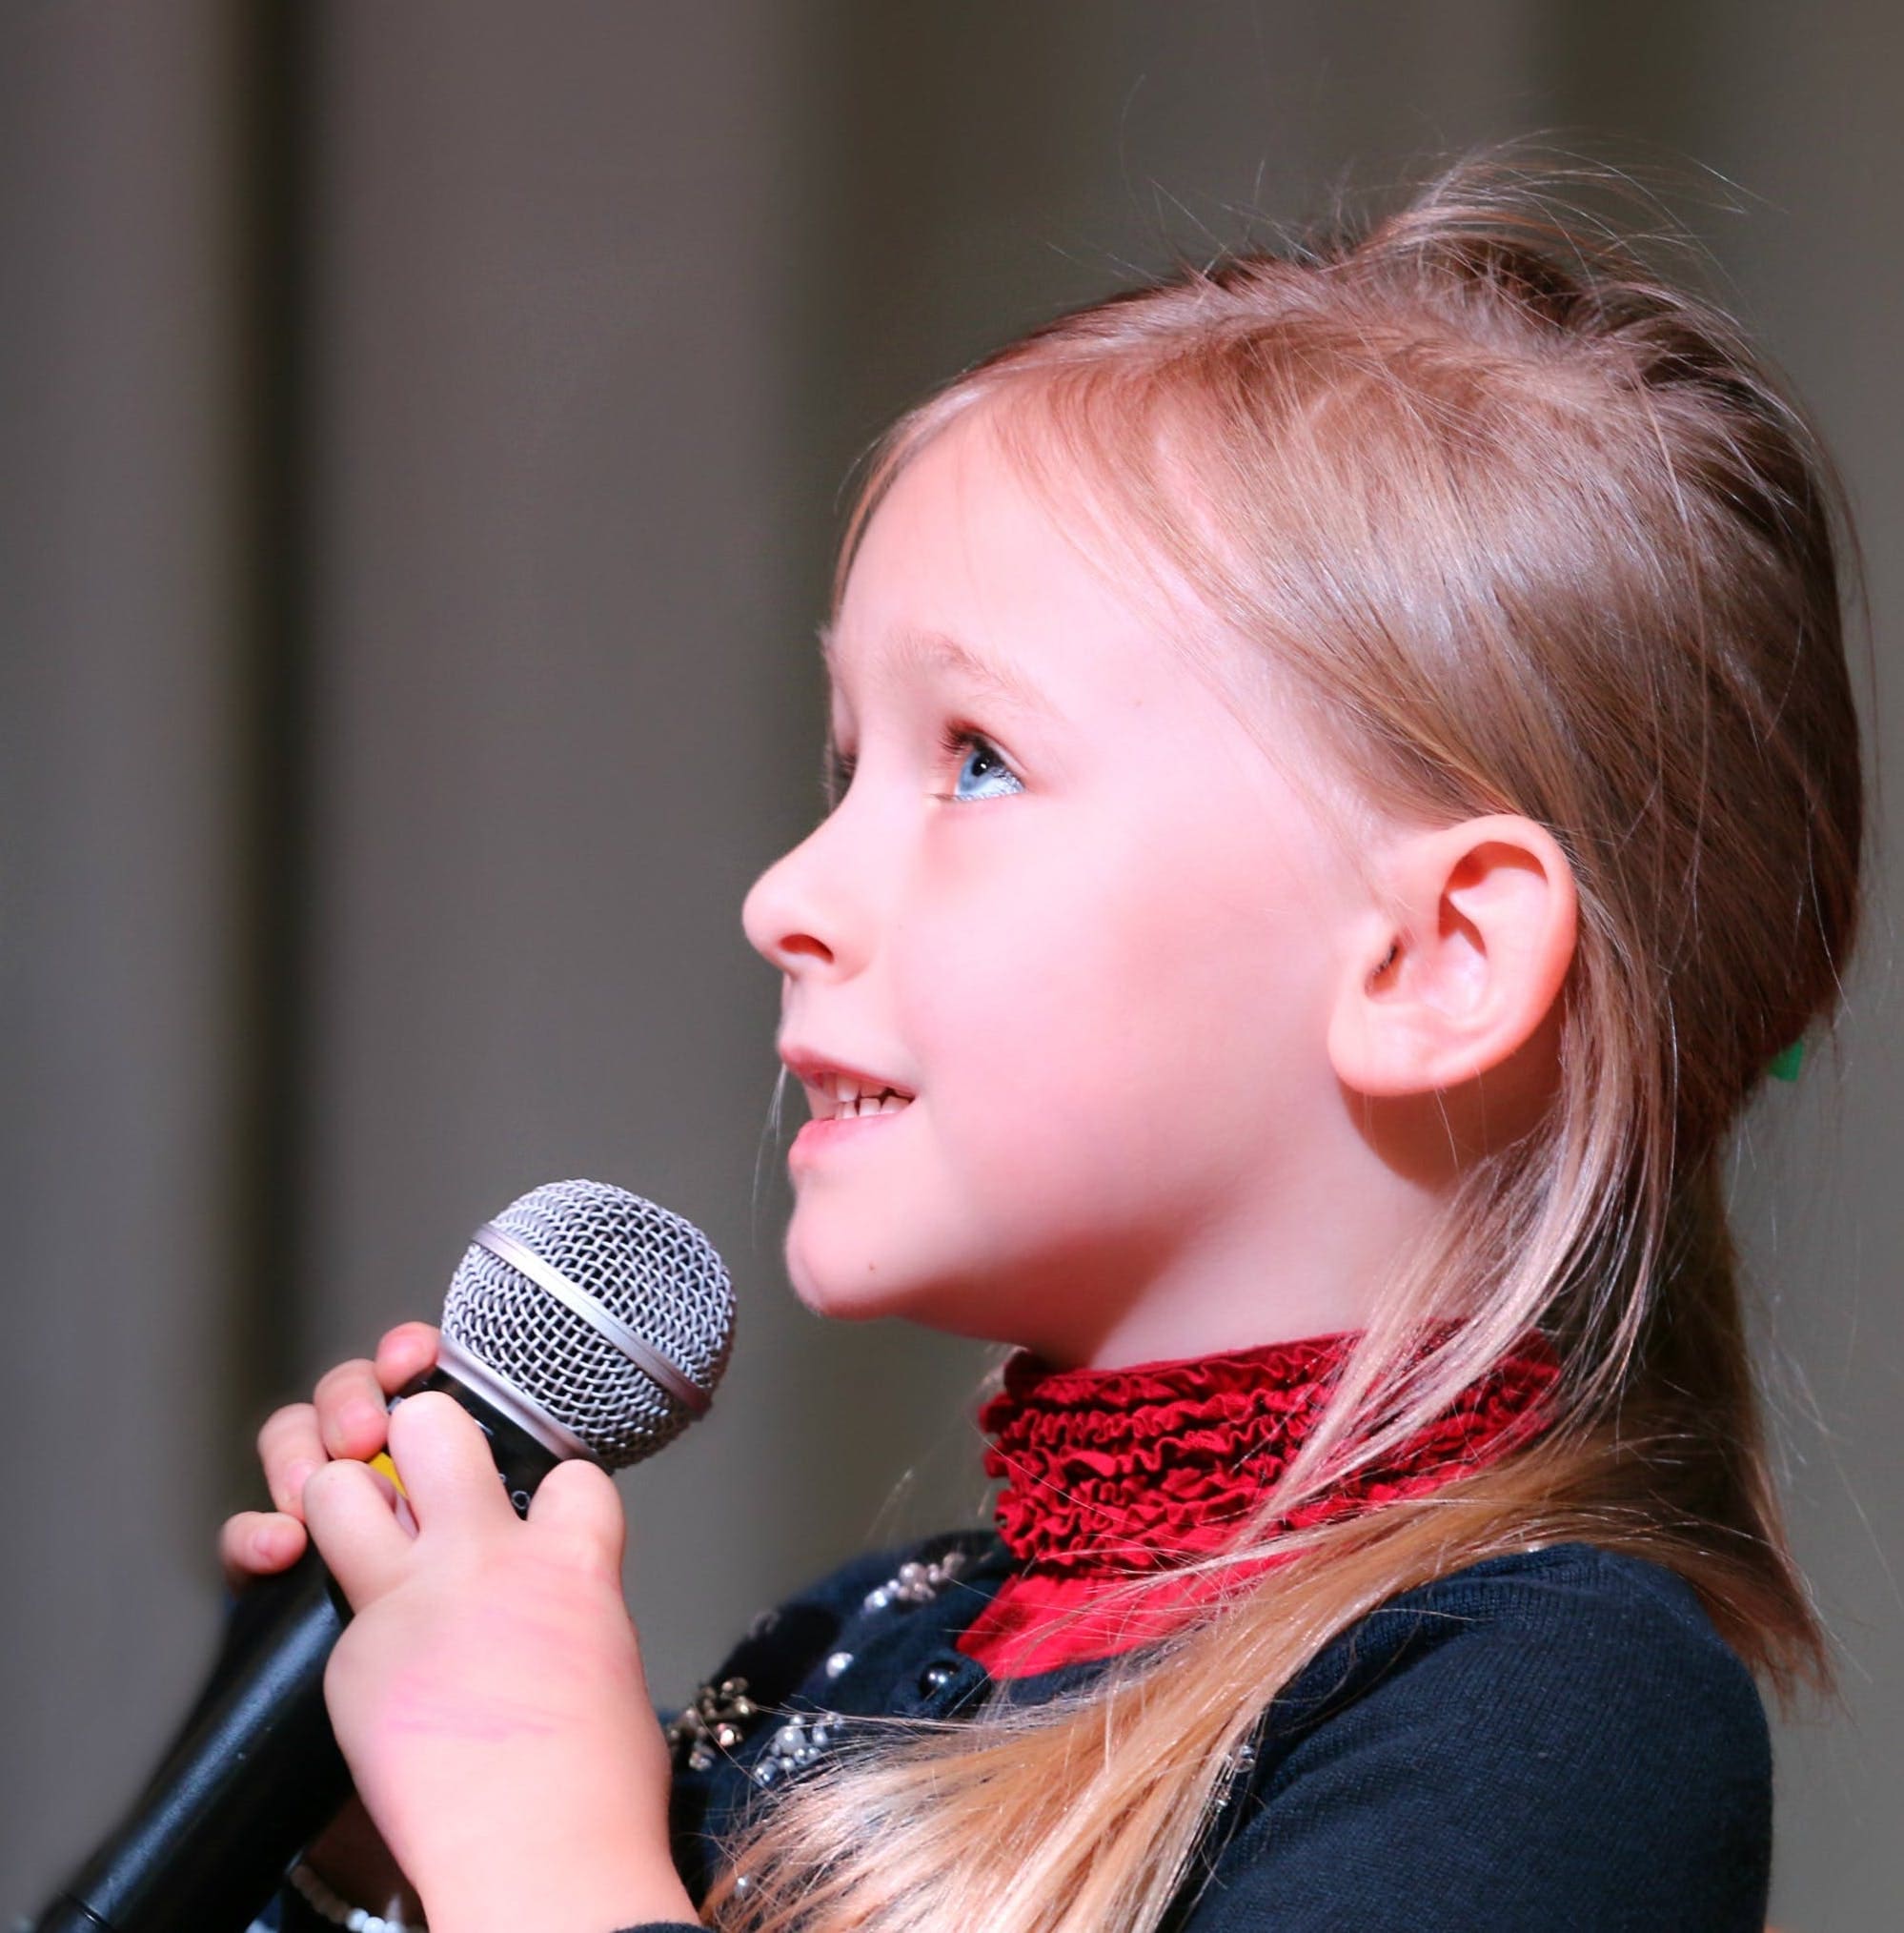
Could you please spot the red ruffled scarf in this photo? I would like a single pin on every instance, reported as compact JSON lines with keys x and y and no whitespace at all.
{"x":1113,"y":1472}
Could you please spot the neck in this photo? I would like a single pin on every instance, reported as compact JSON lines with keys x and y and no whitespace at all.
{"x":1312,"y":1261}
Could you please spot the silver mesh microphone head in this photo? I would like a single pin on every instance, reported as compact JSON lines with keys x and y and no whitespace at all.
{"x":608,"y":1318}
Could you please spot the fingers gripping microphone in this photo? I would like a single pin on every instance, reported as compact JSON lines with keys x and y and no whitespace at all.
{"x":583,"y":1321}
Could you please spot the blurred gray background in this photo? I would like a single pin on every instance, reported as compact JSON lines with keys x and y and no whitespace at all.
{"x":424,"y":428}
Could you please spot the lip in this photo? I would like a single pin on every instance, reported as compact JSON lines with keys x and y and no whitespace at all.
{"x":818,"y":1138}
{"x":812,"y":1067}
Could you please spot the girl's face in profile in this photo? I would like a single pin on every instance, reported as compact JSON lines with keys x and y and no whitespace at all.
{"x":1067,"y":903}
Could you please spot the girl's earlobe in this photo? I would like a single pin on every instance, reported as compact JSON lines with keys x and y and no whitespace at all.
{"x":1463,"y":964}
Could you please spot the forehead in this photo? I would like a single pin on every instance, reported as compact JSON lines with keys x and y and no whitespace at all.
{"x":965,"y":575}
{"x":969,"y":579}
{"x":916,"y":653}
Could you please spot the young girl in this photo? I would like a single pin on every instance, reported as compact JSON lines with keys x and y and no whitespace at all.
{"x":1344,"y":782}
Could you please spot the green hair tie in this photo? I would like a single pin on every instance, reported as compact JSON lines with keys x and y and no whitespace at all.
{"x":1783,"y":1065}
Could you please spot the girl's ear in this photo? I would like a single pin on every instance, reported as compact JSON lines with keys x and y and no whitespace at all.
{"x":1464,"y":961}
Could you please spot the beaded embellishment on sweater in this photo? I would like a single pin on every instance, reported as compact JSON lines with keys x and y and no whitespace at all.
{"x":915,"y":1583}
{"x":798,"y":1744}
{"x":719,"y":1720}
{"x":722,"y":1715}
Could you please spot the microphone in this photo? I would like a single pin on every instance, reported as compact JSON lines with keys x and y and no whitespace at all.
{"x":583,"y":1321}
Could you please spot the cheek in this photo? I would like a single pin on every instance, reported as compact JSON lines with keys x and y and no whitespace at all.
{"x":1104,"y":1021}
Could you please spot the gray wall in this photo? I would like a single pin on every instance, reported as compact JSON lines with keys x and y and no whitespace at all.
{"x":425,"y":428}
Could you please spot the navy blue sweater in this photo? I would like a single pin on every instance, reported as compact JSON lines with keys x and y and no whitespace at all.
{"x":1556,"y":1742}
{"x":1548,"y":1741}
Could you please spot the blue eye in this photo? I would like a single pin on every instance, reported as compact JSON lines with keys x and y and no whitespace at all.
{"x":982,"y":755}
{"x":982,"y":758}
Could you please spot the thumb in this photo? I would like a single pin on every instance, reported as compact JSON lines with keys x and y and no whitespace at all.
{"x":578,"y":1503}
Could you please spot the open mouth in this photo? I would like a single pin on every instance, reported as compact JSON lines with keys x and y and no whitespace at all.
{"x":844,"y":1098}
{"x":840,"y":1093}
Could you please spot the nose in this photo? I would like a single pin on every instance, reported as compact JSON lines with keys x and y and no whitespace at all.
{"x":792,"y":917}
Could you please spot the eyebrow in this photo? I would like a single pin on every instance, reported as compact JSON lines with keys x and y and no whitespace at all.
{"x":915,"y":649}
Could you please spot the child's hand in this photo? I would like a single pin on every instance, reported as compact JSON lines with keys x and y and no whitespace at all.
{"x":488,"y":1693}
{"x":345,"y":1417}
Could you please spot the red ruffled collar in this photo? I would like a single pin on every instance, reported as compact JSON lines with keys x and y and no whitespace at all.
{"x":1110,"y":1472}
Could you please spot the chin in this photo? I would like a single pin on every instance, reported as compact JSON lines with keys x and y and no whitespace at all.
{"x":944,"y":1315}
{"x":837,"y":1304}
{"x":846,"y":1290}
{"x":850,"y":1289}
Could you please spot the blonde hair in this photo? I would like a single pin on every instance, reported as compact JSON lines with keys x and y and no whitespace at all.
{"x":1531,"y":530}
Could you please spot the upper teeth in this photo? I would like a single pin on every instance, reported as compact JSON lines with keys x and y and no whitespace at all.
{"x":851,"y":1098}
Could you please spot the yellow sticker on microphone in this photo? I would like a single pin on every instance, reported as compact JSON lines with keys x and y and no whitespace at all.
{"x":381,"y":1461}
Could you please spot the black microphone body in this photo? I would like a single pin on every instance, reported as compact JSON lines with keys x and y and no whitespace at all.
{"x":254,"y":1775}
{"x":583,"y":1321}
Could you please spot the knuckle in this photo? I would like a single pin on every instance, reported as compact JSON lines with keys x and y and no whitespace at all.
{"x":345,"y":1378}
{"x":234,"y":1540}
{"x":288,"y":1420}
{"x":407,"y":1351}
{"x":324,"y":1480}
{"x":290,"y":1483}
{"x":427,"y":1409}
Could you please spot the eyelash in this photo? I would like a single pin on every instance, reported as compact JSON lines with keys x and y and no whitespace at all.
{"x":954,"y":738}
